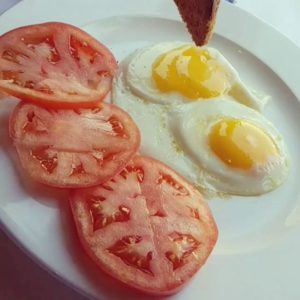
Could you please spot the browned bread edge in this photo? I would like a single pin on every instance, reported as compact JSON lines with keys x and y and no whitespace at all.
{"x":200,"y":17}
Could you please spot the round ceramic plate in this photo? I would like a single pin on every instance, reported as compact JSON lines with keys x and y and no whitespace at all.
{"x":256,"y":256}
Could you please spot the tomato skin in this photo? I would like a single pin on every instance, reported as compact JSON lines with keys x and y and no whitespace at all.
{"x":73,"y":148}
{"x":69,"y":65}
{"x":157,"y":215}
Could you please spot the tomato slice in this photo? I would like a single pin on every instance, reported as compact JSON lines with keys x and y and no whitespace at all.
{"x":73,"y":148}
{"x":55,"y":64}
{"x":148,"y":227}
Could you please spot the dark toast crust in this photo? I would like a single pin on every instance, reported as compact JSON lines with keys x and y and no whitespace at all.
{"x":199,"y":16}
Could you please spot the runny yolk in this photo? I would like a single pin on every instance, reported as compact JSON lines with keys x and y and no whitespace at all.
{"x":192,"y":72}
{"x":241,"y":144}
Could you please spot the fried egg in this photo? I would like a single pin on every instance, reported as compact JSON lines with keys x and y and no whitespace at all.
{"x":220,"y":145}
{"x":240,"y":151}
{"x":174,"y":73}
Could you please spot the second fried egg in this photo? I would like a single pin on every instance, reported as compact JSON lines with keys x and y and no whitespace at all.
{"x":240,"y":151}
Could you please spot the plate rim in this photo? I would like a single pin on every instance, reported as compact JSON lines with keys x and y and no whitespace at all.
{"x":8,"y":225}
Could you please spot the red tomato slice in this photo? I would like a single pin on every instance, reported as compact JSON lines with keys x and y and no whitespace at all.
{"x":73,"y":148}
{"x":55,"y":64}
{"x":147,"y":227}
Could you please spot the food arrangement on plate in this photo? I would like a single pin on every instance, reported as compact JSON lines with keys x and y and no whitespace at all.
{"x":181,"y":124}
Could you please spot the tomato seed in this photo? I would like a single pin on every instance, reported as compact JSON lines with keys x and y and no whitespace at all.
{"x":183,"y":245}
{"x":125,"y":249}
{"x":49,"y":163}
{"x":180,"y":190}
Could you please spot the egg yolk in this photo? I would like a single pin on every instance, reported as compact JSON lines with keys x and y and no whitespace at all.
{"x":240,"y":144}
{"x":192,"y":72}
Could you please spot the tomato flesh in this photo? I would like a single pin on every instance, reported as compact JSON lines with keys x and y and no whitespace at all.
{"x":73,"y":148}
{"x":147,"y":227}
{"x":55,"y":64}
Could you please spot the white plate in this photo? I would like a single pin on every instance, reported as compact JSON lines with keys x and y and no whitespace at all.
{"x":257,"y":255}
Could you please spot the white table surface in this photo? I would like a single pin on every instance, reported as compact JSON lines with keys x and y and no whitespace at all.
{"x":6,"y":4}
{"x":20,"y":278}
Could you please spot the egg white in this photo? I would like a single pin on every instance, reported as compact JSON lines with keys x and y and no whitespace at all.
{"x":138,"y":75}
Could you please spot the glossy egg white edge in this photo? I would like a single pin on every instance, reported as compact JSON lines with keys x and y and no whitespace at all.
{"x":191,"y":125}
{"x":138,"y":75}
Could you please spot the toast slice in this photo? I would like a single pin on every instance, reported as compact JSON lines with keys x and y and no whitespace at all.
{"x":199,"y":16}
